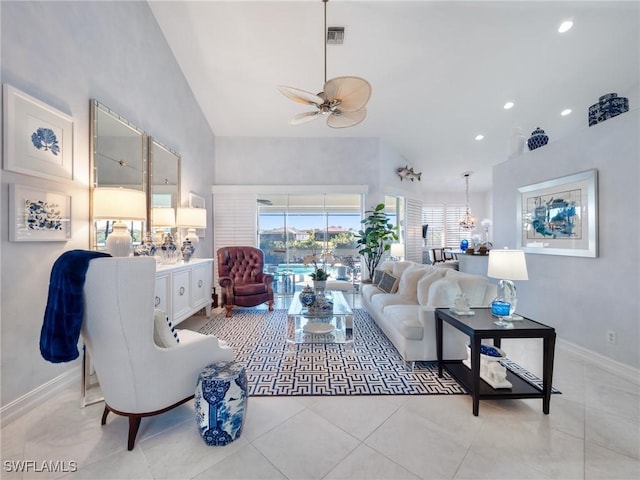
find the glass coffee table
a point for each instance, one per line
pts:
(336, 327)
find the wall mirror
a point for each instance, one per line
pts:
(118, 159)
(164, 183)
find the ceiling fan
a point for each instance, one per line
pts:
(343, 99)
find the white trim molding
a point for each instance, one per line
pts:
(310, 189)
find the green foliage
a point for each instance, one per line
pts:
(376, 237)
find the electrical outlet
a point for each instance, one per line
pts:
(611, 336)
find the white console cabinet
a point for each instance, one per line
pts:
(184, 288)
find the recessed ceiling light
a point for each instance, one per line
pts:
(565, 112)
(565, 26)
(508, 105)
(479, 136)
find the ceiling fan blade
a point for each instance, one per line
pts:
(304, 117)
(353, 92)
(300, 96)
(346, 119)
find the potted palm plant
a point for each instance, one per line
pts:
(376, 237)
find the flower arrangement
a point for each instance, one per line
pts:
(319, 273)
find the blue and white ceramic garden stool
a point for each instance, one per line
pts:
(221, 402)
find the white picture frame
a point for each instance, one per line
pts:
(37, 215)
(38, 139)
(559, 216)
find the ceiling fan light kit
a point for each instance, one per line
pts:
(343, 99)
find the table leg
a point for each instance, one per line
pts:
(475, 373)
(439, 343)
(549, 344)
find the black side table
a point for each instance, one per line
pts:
(480, 326)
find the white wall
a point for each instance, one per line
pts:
(65, 53)
(584, 297)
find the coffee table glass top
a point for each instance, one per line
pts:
(332, 328)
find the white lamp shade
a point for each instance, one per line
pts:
(192, 217)
(111, 203)
(507, 265)
(397, 250)
(163, 217)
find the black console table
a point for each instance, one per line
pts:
(480, 326)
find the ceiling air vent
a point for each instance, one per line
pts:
(335, 35)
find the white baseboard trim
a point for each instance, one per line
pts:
(612, 366)
(35, 397)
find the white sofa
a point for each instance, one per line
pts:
(406, 314)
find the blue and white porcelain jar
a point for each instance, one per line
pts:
(187, 250)
(307, 296)
(538, 139)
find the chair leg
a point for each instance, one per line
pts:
(104, 415)
(271, 305)
(134, 424)
(228, 308)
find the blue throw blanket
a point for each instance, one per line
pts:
(65, 306)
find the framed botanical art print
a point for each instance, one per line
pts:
(37, 215)
(560, 216)
(38, 139)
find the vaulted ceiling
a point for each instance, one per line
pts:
(441, 72)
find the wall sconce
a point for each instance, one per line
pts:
(192, 218)
(111, 203)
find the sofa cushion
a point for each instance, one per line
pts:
(388, 283)
(405, 319)
(399, 267)
(443, 292)
(164, 334)
(473, 286)
(377, 276)
(380, 302)
(368, 290)
(408, 284)
(422, 288)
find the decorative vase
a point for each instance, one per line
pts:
(319, 286)
(322, 306)
(516, 142)
(464, 244)
(187, 250)
(147, 248)
(538, 139)
(307, 296)
(168, 250)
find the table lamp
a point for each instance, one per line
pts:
(507, 265)
(112, 203)
(396, 251)
(192, 218)
(161, 218)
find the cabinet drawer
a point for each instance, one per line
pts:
(163, 294)
(201, 286)
(181, 289)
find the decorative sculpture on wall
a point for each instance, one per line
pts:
(406, 172)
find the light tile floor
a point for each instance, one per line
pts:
(592, 432)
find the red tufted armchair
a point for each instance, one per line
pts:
(241, 278)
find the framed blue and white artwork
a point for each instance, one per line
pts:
(37, 215)
(38, 139)
(559, 216)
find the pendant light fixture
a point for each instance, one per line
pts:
(467, 222)
(343, 99)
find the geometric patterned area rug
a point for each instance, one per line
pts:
(370, 365)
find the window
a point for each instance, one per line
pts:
(290, 226)
(444, 225)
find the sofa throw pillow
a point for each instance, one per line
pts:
(386, 266)
(422, 289)
(389, 283)
(401, 266)
(443, 292)
(377, 276)
(164, 333)
(408, 283)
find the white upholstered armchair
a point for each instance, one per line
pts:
(138, 378)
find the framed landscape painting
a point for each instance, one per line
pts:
(38, 139)
(559, 216)
(38, 216)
